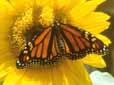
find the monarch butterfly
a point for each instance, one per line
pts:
(57, 41)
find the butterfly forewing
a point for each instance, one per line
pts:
(42, 44)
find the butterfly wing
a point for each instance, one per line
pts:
(79, 43)
(45, 48)
(57, 41)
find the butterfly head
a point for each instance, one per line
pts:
(56, 23)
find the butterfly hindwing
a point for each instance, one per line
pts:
(78, 42)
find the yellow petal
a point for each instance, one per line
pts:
(75, 73)
(39, 76)
(94, 60)
(97, 27)
(95, 17)
(95, 22)
(3, 71)
(83, 9)
(4, 4)
(104, 39)
(67, 4)
(6, 15)
(94, 28)
(13, 77)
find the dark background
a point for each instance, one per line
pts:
(108, 7)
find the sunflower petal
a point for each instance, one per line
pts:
(83, 9)
(94, 60)
(96, 17)
(13, 77)
(97, 27)
(67, 4)
(104, 39)
(5, 7)
(94, 23)
(6, 15)
(3, 71)
(73, 71)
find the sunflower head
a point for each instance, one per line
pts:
(20, 34)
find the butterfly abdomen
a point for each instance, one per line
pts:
(56, 29)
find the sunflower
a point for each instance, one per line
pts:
(18, 19)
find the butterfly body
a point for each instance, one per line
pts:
(57, 41)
